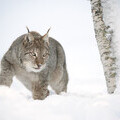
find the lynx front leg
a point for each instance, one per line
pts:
(39, 90)
(6, 73)
(59, 80)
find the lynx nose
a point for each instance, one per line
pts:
(39, 65)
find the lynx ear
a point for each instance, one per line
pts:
(46, 36)
(28, 39)
(29, 36)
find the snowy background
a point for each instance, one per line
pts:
(71, 24)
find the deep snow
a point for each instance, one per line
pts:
(86, 98)
(84, 101)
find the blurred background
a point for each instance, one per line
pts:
(71, 24)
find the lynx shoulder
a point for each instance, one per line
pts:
(37, 61)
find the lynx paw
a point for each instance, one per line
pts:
(40, 95)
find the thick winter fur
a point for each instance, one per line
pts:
(37, 61)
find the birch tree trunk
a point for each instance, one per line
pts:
(104, 35)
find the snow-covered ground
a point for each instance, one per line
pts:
(84, 101)
(71, 24)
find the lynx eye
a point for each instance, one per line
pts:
(33, 54)
(45, 54)
(27, 53)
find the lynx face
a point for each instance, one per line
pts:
(36, 52)
(35, 59)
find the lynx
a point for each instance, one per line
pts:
(37, 61)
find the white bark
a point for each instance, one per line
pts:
(111, 15)
(104, 35)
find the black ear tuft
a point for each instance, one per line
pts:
(48, 30)
(28, 29)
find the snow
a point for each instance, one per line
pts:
(71, 24)
(84, 101)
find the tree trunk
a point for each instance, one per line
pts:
(104, 36)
